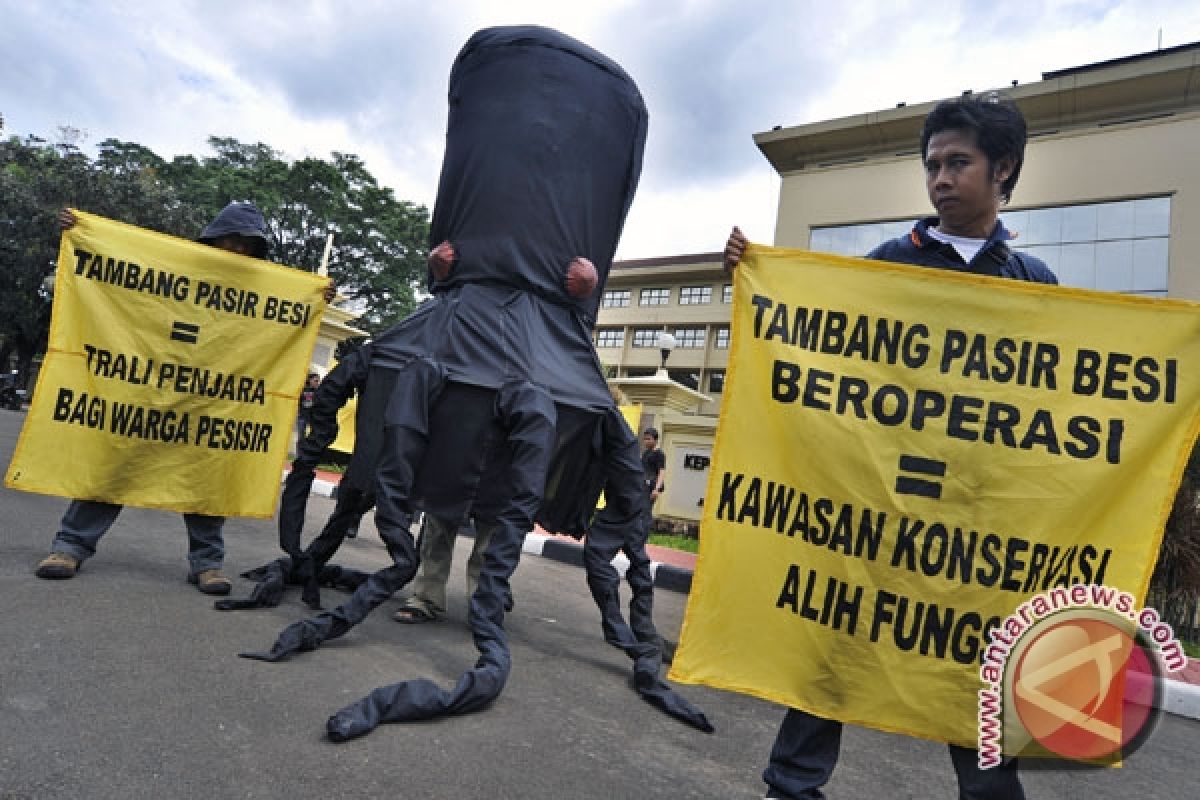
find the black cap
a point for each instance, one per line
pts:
(238, 219)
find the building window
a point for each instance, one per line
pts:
(689, 338)
(856, 240)
(1122, 246)
(695, 295)
(654, 297)
(610, 337)
(640, 372)
(721, 337)
(727, 293)
(646, 337)
(716, 381)
(615, 298)
(687, 377)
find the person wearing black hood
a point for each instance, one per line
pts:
(238, 228)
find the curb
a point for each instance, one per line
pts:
(1181, 699)
(324, 488)
(321, 486)
(666, 576)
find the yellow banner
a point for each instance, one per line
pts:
(632, 412)
(172, 374)
(905, 455)
(344, 443)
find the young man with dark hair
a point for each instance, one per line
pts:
(972, 149)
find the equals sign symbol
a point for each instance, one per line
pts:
(921, 487)
(184, 332)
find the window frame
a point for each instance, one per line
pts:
(652, 295)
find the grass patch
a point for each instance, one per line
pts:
(1191, 648)
(686, 543)
(338, 468)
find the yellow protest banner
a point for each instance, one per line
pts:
(346, 422)
(904, 456)
(344, 443)
(171, 376)
(632, 412)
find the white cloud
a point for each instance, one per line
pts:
(370, 77)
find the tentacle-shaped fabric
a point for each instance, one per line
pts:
(334, 392)
(270, 581)
(621, 526)
(407, 434)
(351, 505)
(647, 662)
(306, 567)
(293, 502)
(527, 415)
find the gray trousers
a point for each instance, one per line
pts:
(437, 556)
(86, 521)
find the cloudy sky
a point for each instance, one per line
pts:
(369, 77)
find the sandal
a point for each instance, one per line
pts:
(413, 615)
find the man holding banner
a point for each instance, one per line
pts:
(973, 149)
(241, 229)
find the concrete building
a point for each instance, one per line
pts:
(686, 296)
(1108, 197)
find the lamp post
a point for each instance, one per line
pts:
(666, 343)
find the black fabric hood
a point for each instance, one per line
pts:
(543, 154)
(240, 219)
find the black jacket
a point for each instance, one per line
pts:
(995, 258)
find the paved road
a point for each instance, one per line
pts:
(124, 683)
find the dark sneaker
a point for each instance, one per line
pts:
(210, 581)
(57, 567)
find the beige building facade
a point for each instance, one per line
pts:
(1108, 196)
(686, 296)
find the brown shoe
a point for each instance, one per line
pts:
(57, 567)
(210, 581)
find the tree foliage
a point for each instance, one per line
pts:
(1175, 589)
(36, 180)
(379, 245)
(379, 242)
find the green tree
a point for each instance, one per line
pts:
(379, 247)
(37, 179)
(34, 181)
(1175, 588)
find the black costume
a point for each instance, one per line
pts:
(309, 567)
(492, 400)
